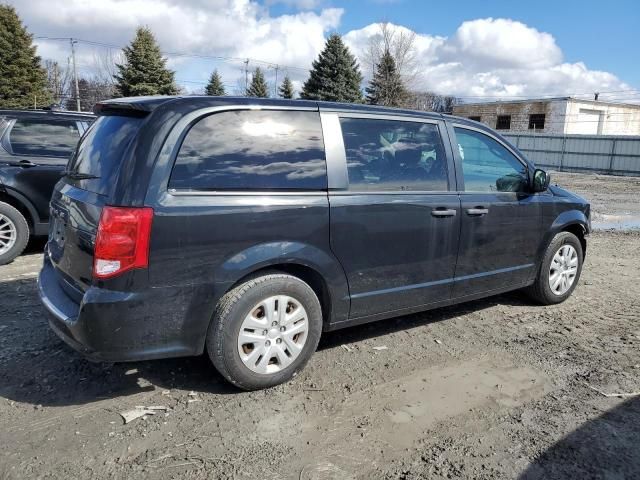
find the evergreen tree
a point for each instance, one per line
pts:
(286, 89)
(144, 70)
(215, 86)
(335, 75)
(386, 87)
(258, 86)
(23, 82)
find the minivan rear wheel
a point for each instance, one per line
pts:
(265, 330)
(14, 233)
(559, 271)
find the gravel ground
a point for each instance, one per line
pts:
(497, 388)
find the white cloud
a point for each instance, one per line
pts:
(495, 58)
(222, 28)
(483, 57)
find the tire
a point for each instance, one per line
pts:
(14, 233)
(542, 290)
(266, 355)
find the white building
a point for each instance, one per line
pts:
(565, 115)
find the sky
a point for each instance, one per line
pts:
(476, 50)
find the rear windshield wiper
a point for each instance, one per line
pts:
(78, 175)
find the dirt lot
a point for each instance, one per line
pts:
(497, 388)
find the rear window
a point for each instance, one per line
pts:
(54, 138)
(252, 150)
(101, 150)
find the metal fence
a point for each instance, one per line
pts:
(616, 155)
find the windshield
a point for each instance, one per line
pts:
(100, 152)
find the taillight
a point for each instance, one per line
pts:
(122, 242)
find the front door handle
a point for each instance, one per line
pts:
(443, 212)
(477, 211)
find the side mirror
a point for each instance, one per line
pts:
(541, 180)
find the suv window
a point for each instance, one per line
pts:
(252, 150)
(47, 138)
(391, 155)
(101, 150)
(488, 166)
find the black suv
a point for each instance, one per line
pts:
(35, 146)
(247, 227)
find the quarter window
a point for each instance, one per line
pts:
(252, 150)
(391, 155)
(488, 166)
(44, 138)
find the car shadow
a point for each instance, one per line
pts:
(35, 245)
(36, 367)
(607, 447)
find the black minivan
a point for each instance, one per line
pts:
(246, 227)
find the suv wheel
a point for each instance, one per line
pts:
(264, 331)
(14, 233)
(560, 270)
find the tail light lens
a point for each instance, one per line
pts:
(122, 242)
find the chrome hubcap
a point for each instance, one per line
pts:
(8, 234)
(273, 334)
(563, 269)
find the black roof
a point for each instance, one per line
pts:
(47, 113)
(148, 104)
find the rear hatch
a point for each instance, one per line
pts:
(79, 197)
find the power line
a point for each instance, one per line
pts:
(180, 54)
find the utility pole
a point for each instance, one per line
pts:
(56, 87)
(246, 76)
(75, 72)
(275, 88)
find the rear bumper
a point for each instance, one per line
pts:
(119, 326)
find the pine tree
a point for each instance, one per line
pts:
(258, 86)
(215, 86)
(23, 82)
(286, 89)
(386, 87)
(335, 75)
(144, 70)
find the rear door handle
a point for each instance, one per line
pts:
(477, 211)
(443, 212)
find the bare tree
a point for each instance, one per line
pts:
(58, 81)
(400, 43)
(431, 102)
(104, 66)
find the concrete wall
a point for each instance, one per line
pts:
(554, 112)
(562, 116)
(591, 118)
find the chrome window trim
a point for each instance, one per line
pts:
(244, 193)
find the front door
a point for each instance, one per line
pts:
(500, 219)
(395, 229)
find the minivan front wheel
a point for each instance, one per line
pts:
(14, 233)
(560, 270)
(265, 330)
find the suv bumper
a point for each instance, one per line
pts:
(116, 326)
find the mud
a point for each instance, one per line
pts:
(496, 388)
(615, 201)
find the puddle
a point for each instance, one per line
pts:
(616, 222)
